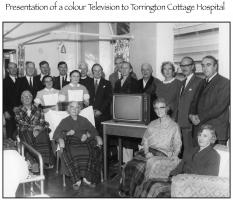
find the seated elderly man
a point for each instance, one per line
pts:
(80, 147)
(33, 129)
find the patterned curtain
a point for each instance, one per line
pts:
(21, 59)
(121, 48)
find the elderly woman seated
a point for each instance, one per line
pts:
(161, 145)
(202, 160)
(33, 129)
(80, 146)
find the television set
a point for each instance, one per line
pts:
(133, 108)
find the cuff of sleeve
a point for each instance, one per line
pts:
(86, 97)
(37, 101)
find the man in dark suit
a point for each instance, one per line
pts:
(190, 85)
(61, 80)
(28, 82)
(45, 70)
(148, 85)
(128, 84)
(85, 79)
(116, 75)
(212, 102)
(100, 97)
(10, 99)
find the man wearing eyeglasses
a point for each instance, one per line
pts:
(190, 85)
(212, 103)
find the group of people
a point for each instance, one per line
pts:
(186, 118)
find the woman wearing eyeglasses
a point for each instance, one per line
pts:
(161, 145)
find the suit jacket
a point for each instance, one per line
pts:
(185, 101)
(89, 84)
(130, 86)
(24, 85)
(212, 105)
(101, 100)
(10, 99)
(114, 77)
(56, 82)
(38, 79)
(150, 89)
(205, 162)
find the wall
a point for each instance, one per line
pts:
(51, 52)
(106, 51)
(152, 43)
(143, 46)
(224, 49)
(89, 49)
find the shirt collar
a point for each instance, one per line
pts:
(166, 82)
(49, 90)
(72, 85)
(119, 74)
(98, 80)
(28, 77)
(188, 78)
(209, 79)
(12, 77)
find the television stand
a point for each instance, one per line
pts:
(120, 129)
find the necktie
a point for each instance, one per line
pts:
(63, 81)
(96, 85)
(183, 87)
(30, 82)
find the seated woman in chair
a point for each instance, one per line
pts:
(80, 146)
(202, 160)
(33, 129)
(161, 145)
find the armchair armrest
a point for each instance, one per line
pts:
(191, 185)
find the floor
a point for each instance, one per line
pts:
(54, 187)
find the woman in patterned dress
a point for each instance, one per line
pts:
(161, 145)
(33, 129)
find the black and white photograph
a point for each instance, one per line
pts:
(116, 109)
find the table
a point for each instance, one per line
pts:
(121, 129)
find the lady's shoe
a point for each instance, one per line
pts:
(76, 186)
(86, 182)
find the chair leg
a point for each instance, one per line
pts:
(57, 165)
(64, 180)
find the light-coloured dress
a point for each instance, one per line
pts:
(40, 97)
(163, 136)
(70, 86)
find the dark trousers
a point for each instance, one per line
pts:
(223, 142)
(187, 140)
(11, 128)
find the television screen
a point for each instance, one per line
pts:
(127, 107)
